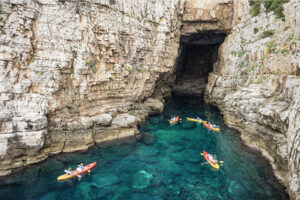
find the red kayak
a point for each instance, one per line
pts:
(213, 164)
(174, 120)
(211, 127)
(76, 173)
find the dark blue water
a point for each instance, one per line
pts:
(166, 166)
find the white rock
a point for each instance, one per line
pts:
(102, 120)
(124, 120)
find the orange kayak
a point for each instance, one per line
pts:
(75, 172)
(210, 127)
(174, 121)
(214, 165)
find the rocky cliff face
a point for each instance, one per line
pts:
(256, 85)
(75, 73)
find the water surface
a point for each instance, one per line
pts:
(168, 166)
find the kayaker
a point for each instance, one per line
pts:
(212, 159)
(80, 167)
(69, 171)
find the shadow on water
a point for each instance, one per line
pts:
(165, 164)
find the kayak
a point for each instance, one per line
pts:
(210, 127)
(214, 165)
(195, 120)
(174, 121)
(76, 173)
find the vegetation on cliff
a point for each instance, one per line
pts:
(276, 6)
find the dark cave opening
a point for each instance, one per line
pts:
(197, 55)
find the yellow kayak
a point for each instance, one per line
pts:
(195, 120)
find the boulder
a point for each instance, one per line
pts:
(87, 122)
(154, 106)
(148, 138)
(105, 180)
(124, 120)
(141, 180)
(102, 120)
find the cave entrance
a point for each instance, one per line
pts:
(197, 55)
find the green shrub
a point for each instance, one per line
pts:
(1, 18)
(242, 52)
(255, 7)
(271, 45)
(275, 6)
(234, 53)
(268, 33)
(253, 68)
(255, 30)
(289, 38)
(242, 64)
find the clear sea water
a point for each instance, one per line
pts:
(169, 167)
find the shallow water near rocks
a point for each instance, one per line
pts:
(168, 167)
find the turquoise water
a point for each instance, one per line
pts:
(165, 165)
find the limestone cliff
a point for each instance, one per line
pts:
(76, 73)
(256, 85)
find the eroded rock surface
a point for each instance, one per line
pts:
(76, 73)
(256, 85)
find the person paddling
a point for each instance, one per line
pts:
(69, 171)
(80, 167)
(212, 159)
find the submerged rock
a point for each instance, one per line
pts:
(141, 180)
(105, 180)
(148, 138)
(188, 125)
(232, 187)
(146, 152)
